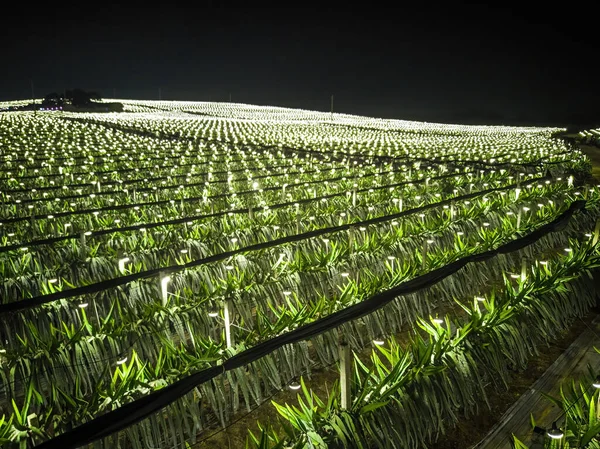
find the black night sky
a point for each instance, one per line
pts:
(460, 63)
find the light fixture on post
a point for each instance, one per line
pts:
(122, 263)
(596, 233)
(279, 261)
(214, 312)
(391, 259)
(298, 216)
(555, 433)
(596, 385)
(426, 243)
(82, 241)
(351, 238)
(228, 314)
(378, 341)
(294, 385)
(164, 290)
(345, 375)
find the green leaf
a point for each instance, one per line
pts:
(592, 431)
(517, 444)
(372, 407)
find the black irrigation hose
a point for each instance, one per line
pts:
(185, 219)
(189, 199)
(129, 161)
(132, 413)
(121, 170)
(37, 301)
(159, 178)
(533, 164)
(437, 161)
(179, 137)
(336, 154)
(220, 161)
(96, 163)
(167, 187)
(303, 150)
(314, 283)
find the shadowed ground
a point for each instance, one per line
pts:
(572, 365)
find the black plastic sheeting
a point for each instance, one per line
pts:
(37, 301)
(154, 203)
(49, 241)
(136, 411)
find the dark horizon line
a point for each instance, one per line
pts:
(469, 116)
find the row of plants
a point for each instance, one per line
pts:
(98, 151)
(86, 378)
(227, 172)
(407, 396)
(258, 197)
(174, 439)
(162, 246)
(578, 424)
(590, 136)
(363, 135)
(262, 262)
(388, 239)
(100, 195)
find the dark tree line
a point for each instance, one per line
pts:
(76, 97)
